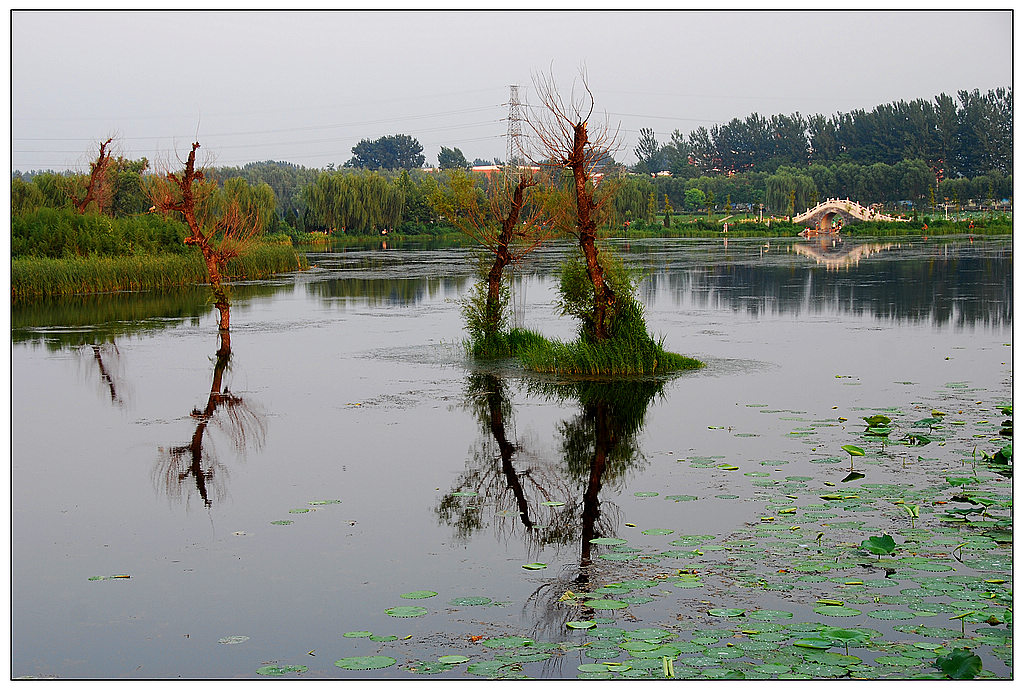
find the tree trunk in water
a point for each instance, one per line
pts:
(502, 257)
(493, 305)
(225, 312)
(586, 226)
(220, 293)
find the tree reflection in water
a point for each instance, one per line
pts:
(197, 460)
(599, 446)
(511, 482)
(106, 357)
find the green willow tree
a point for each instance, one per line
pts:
(360, 202)
(788, 188)
(256, 201)
(508, 221)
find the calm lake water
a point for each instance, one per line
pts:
(348, 409)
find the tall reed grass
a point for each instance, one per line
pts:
(627, 354)
(33, 277)
(631, 351)
(62, 233)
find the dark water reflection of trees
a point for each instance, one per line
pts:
(386, 290)
(87, 320)
(196, 462)
(950, 284)
(507, 484)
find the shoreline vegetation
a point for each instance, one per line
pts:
(57, 252)
(35, 277)
(95, 254)
(699, 228)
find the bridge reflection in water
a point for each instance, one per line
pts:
(834, 254)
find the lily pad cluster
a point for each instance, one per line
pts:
(902, 572)
(304, 509)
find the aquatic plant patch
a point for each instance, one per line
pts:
(831, 557)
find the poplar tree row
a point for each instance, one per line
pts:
(966, 135)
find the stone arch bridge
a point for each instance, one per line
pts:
(822, 219)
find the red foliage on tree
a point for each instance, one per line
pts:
(220, 233)
(566, 141)
(99, 187)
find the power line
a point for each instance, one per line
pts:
(485, 123)
(362, 123)
(361, 102)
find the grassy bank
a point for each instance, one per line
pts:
(35, 277)
(682, 228)
(704, 227)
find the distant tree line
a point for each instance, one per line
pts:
(967, 136)
(642, 197)
(945, 151)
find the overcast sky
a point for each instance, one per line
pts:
(305, 87)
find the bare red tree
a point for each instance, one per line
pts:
(565, 140)
(221, 235)
(99, 186)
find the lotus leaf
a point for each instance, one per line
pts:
(769, 614)
(726, 613)
(842, 611)
(882, 545)
(406, 611)
(365, 663)
(272, 670)
(894, 660)
(602, 652)
(509, 642)
(453, 659)
(470, 601)
(487, 668)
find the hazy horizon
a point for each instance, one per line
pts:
(305, 87)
